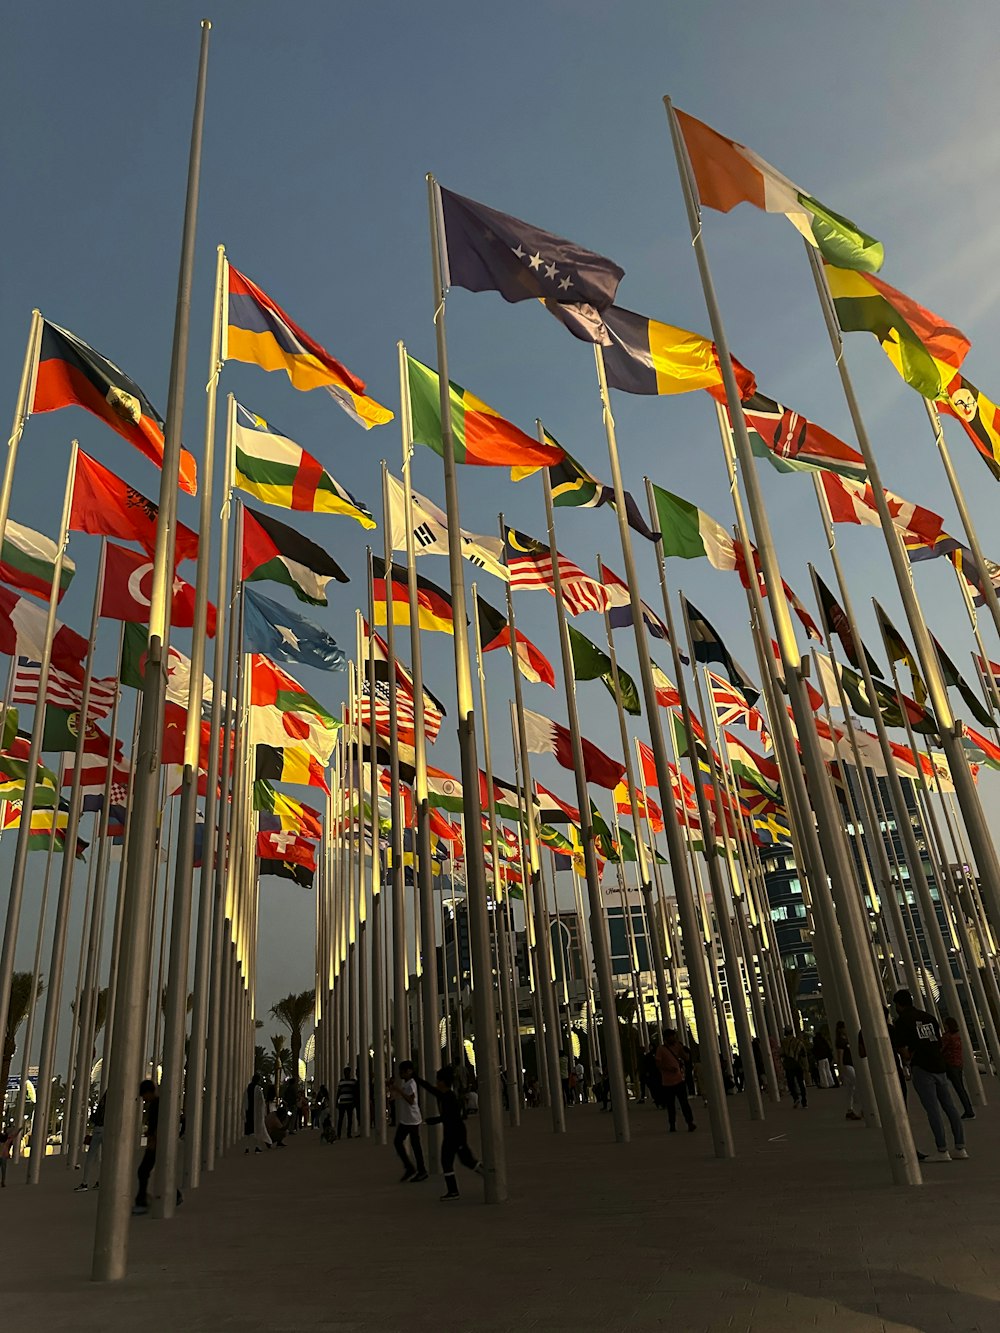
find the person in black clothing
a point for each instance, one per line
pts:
(917, 1037)
(150, 1095)
(649, 1075)
(348, 1099)
(454, 1142)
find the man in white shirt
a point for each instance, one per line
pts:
(408, 1122)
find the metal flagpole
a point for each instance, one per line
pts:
(645, 884)
(424, 874)
(979, 831)
(364, 1007)
(487, 1061)
(111, 1232)
(116, 938)
(22, 410)
(378, 898)
(29, 1027)
(602, 953)
(78, 1082)
(170, 1155)
(900, 1148)
(508, 1006)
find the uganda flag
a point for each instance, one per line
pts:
(979, 416)
(647, 357)
(482, 436)
(289, 763)
(434, 610)
(71, 374)
(275, 469)
(924, 349)
(259, 331)
(273, 551)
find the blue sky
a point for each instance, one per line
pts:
(321, 123)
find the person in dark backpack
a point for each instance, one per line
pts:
(348, 1100)
(917, 1037)
(454, 1140)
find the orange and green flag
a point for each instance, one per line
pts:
(482, 437)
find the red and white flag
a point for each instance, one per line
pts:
(543, 736)
(284, 845)
(127, 587)
(731, 706)
(530, 566)
(854, 502)
(64, 690)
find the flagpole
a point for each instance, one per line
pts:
(116, 937)
(378, 895)
(888, 1097)
(18, 1122)
(487, 1063)
(663, 932)
(645, 884)
(546, 1041)
(357, 845)
(24, 828)
(22, 410)
(979, 832)
(111, 1233)
(507, 1006)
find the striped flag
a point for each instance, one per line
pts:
(731, 705)
(63, 690)
(433, 710)
(530, 566)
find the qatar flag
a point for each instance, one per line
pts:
(544, 736)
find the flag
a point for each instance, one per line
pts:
(604, 840)
(62, 728)
(791, 443)
(444, 791)
(924, 349)
(888, 704)
(543, 736)
(980, 418)
(731, 705)
(302, 817)
(620, 607)
(128, 583)
(489, 251)
(434, 710)
(14, 771)
(590, 663)
(64, 690)
(899, 651)
(647, 357)
(104, 505)
(286, 636)
(552, 810)
(530, 566)
(301, 875)
(133, 667)
(42, 824)
(481, 435)
(836, 618)
(854, 502)
(688, 532)
(28, 562)
(708, 647)
(645, 807)
(288, 847)
(72, 374)
(574, 487)
(289, 763)
(953, 678)
(22, 631)
(282, 712)
(494, 632)
(727, 173)
(260, 332)
(666, 691)
(274, 551)
(93, 779)
(808, 624)
(434, 609)
(430, 531)
(275, 469)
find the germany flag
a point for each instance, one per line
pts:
(70, 373)
(434, 610)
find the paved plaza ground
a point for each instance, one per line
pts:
(801, 1231)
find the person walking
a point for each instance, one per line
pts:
(408, 1122)
(793, 1061)
(348, 1101)
(917, 1037)
(822, 1053)
(454, 1138)
(93, 1159)
(845, 1066)
(951, 1049)
(670, 1067)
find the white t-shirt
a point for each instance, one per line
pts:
(408, 1113)
(578, 1071)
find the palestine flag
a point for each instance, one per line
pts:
(689, 532)
(434, 610)
(301, 875)
(482, 436)
(71, 374)
(275, 469)
(28, 562)
(648, 357)
(924, 349)
(494, 632)
(291, 764)
(274, 551)
(791, 443)
(590, 663)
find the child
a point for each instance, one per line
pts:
(454, 1142)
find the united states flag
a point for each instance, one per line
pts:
(63, 691)
(530, 566)
(433, 710)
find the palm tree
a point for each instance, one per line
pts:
(17, 1012)
(278, 1060)
(295, 1011)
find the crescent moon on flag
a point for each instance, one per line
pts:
(135, 583)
